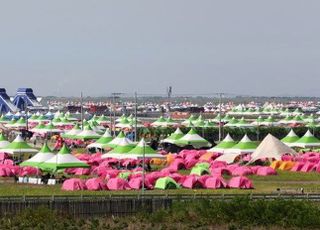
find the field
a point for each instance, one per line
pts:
(287, 182)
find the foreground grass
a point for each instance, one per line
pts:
(285, 181)
(240, 213)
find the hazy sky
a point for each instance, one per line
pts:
(62, 47)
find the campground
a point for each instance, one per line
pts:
(287, 182)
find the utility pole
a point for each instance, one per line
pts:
(114, 97)
(220, 127)
(135, 116)
(169, 94)
(81, 109)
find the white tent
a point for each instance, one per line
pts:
(271, 148)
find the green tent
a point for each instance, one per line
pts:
(166, 183)
(102, 141)
(192, 138)
(3, 141)
(72, 134)
(199, 170)
(244, 146)
(307, 141)
(290, 138)
(119, 139)
(225, 144)
(62, 160)
(43, 155)
(174, 137)
(18, 146)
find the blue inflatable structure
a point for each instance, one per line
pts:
(25, 98)
(5, 103)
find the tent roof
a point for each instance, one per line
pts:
(271, 147)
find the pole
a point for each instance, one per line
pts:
(135, 116)
(114, 115)
(143, 166)
(220, 100)
(81, 109)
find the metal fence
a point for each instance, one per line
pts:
(119, 205)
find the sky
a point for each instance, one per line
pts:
(64, 47)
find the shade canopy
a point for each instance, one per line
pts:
(271, 148)
(62, 160)
(43, 155)
(244, 146)
(174, 136)
(290, 138)
(18, 146)
(307, 141)
(226, 143)
(192, 138)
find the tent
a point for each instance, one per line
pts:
(3, 141)
(119, 139)
(159, 122)
(189, 121)
(307, 141)
(50, 128)
(174, 137)
(228, 158)
(240, 182)
(39, 128)
(88, 134)
(192, 138)
(244, 146)
(271, 148)
(166, 183)
(72, 134)
(290, 138)
(226, 143)
(102, 141)
(73, 184)
(62, 160)
(124, 146)
(18, 146)
(43, 155)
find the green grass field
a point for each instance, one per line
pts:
(287, 182)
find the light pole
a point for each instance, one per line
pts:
(220, 101)
(135, 116)
(81, 109)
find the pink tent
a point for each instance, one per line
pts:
(129, 162)
(136, 183)
(297, 167)
(203, 178)
(190, 163)
(15, 169)
(167, 171)
(308, 167)
(287, 158)
(82, 171)
(266, 171)
(8, 162)
(154, 176)
(241, 171)
(84, 157)
(192, 181)
(73, 184)
(177, 164)
(29, 171)
(220, 171)
(111, 173)
(317, 167)
(70, 170)
(177, 177)
(117, 184)
(232, 167)
(5, 172)
(255, 168)
(4, 156)
(240, 182)
(218, 164)
(95, 184)
(215, 182)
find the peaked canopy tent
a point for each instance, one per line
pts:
(159, 122)
(39, 128)
(192, 138)
(124, 146)
(225, 144)
(271, 148)
(43, 155)
(189, 121)
(142, 150)
(62, 160)
(88, 134)
(19, 124)
(3, 141)
(290, 138)
(174, 137)
(18, 146)
(72, 134)
(307, 141)
(102, 141)
(244, 146)
(119, 139)
(50, 128)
